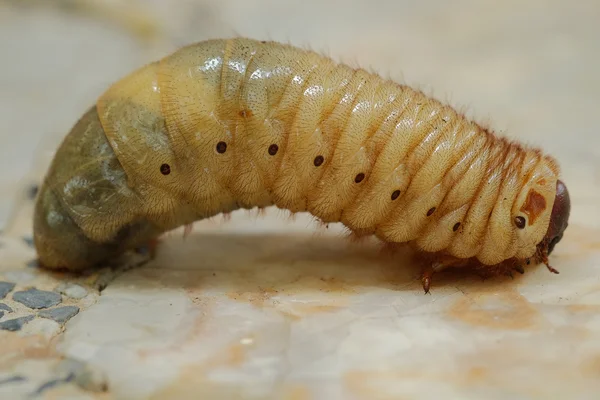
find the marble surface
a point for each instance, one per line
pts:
(276, 307)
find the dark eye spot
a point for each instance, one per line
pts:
(165, 169)
(395, 194)
(273, 149)
(431, 211)
(520, 222)
(359, 178)
(456, 226)
(221, 147)
(318, 161)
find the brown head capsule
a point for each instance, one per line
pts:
(559, 219)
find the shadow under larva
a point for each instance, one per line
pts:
(226, 124)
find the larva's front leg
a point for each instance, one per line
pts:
(435, 265)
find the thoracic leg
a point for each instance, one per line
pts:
(426, 276)
(437, 265)
(545, 261)
(428, 273)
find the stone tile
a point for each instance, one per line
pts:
(5, 288)
(60, 314)
(4, 307)
(15, 324)
(34, 298)
(72, 290)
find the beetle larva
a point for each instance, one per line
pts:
(227, 124)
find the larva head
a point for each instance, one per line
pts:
(541, 209)
(559, 218)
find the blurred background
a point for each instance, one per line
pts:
(529, 68)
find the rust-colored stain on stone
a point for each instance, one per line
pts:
(591, 367)
(192, 383)
(296, 392)
(296, 312)
(477, 373)
(534, 206)
(593, 309)
(365, 384)
(16, 348)
(502, 310)
(259, 297)
(333, 284)
(233, 356)
(370, 384)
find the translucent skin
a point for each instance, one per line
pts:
(463, 192)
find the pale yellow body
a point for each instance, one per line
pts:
(251, 95)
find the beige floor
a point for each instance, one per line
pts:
(266, 308)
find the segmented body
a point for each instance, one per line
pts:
(225, 124)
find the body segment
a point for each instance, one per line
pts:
(228, 124)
